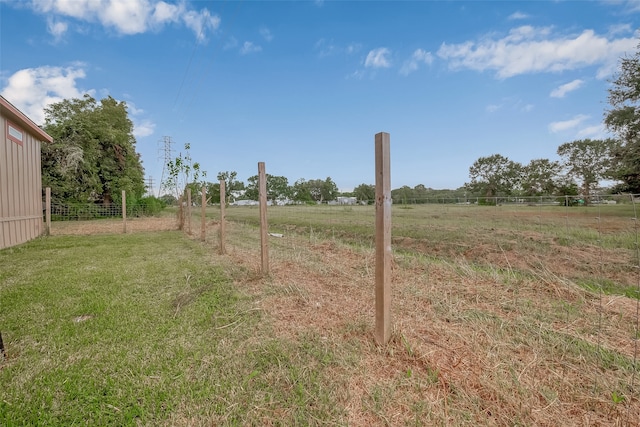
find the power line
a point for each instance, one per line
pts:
(166, 154)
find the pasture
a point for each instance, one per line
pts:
(503, 315)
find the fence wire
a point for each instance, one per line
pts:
(563, 273)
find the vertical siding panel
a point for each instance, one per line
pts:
(38, 181)
(29, 193)
(4, 199)
(12, 159)
(21, 203)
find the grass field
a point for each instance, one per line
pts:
(514, 316)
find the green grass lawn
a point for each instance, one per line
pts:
(145, 329)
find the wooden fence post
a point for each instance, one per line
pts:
(383, 238)
(203, 214)
(124, 211)
(188, 211)
(223, 202)
(48, 210)
(264, 243)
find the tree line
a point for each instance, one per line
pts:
(279, 191)
(584, 163)
(93, 158)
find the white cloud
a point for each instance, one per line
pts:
(231, 43)
(562, 90)
(517, 15)
(249, 47)
(33, 89)
(594, 132)
(143, 128)
(200, 22)
(164, 12)
(130, 16)
(492, 108)
(562, 126)
(56, 28)
(266, 34)
(377, 58)
(620, 29)
(529, 49)
(419, 57)
(328, 48)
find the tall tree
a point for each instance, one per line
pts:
(231, 183)
(277, 188)
(587, 160)
(300, 192)
(540, 177)
(365, 193)
(624, 120)
(315, 190)
(93, 156)
(494, 175)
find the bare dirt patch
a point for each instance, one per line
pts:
(104, 226)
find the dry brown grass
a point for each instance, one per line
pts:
(472, 344)
(107, 226)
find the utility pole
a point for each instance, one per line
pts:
(166, 154)
(150, 185)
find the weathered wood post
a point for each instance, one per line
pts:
(223, 203)
(203, 214)
(264, 243)
(188, 211)
(383, 238)
(124, 211)
(48, 211)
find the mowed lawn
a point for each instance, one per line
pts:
(145, 329)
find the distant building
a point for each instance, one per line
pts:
(20, 176)
(340, 200)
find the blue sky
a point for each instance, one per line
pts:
(305, 85)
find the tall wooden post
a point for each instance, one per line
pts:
(48, 210)
(203, 214)
(383, 238)
(223, 203)
(264, 243)
(124, 212)
(188, 211)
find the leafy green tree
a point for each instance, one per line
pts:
(315, 190)
(365, 193)
(540, 177)
(494, 175)
(277, 188)
(182, 172)
(93, 156)
(231, 184)
(402, 195)
(624, 120)
(587, 160)
(329, 190)
(300, 192)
